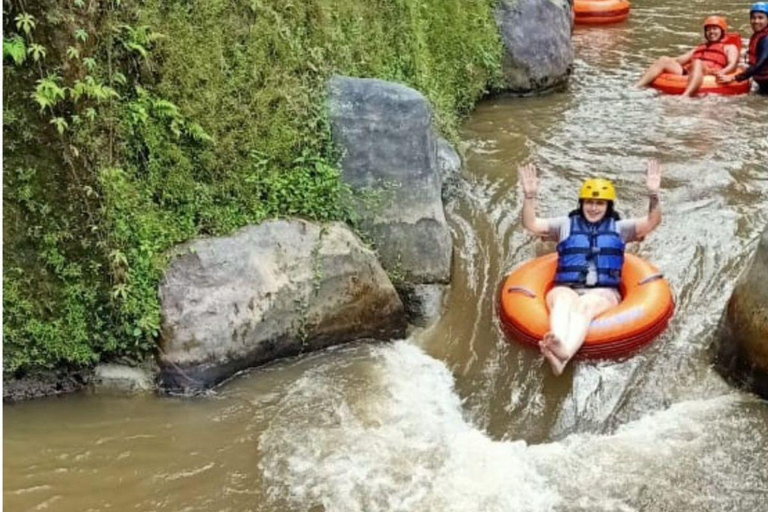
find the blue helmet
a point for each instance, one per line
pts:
(760, 7)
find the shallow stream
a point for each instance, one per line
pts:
(456, 418)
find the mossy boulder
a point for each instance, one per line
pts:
(278, 289)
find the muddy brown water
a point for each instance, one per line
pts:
(456, 418)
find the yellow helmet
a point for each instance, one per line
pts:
(598, 189)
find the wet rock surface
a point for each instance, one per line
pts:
(273, 290)
(118, 378)
(45, 383)
(390, 154)
(742, 352)
(537, 41)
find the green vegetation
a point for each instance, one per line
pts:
(130, 127)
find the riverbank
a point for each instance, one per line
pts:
(163, 124)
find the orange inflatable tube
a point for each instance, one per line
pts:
(676, 84)
(600, 12)
(645, 310)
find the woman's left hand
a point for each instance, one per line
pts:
(653, 176)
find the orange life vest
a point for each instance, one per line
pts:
(712, 53)
(754, 42)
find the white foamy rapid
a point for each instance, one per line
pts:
(399, 440)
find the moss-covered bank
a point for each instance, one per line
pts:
(132, 126)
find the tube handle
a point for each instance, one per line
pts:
(521, 289)
(651, 278)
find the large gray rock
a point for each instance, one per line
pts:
(269, 291)
(743, 348)
(537, 40)
(424, 302)
(390, 155)
(449, 163)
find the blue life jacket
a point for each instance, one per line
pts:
(600, 243)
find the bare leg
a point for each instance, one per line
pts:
(559, 351)
(588, 307)
(696, 78)
(561, 301)
(663, 65)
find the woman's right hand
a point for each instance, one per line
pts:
(722, 78)
(529, 180)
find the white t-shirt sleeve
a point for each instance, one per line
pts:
(628, 230)
(557, 228)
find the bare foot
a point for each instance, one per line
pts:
(555, 345)
(554, 362)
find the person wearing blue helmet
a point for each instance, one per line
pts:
(757, 54)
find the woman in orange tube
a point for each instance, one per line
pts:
(590, 251)
(713, 57)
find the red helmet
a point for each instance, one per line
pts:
(717, 21)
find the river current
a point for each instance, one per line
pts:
(455, 418)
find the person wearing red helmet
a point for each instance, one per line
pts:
(713, 57)
(757, 55)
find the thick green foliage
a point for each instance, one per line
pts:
(130, 128)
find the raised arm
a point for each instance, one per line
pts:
(653, 182)
(530, 183)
